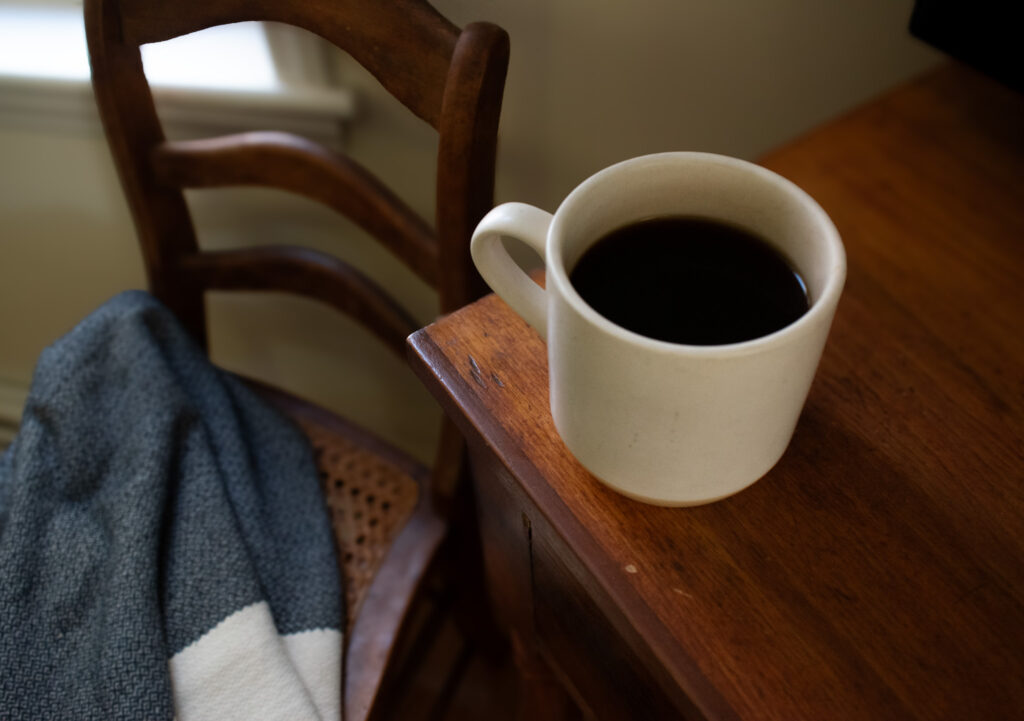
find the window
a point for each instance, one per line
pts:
(222, 79)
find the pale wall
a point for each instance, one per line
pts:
(591, 82)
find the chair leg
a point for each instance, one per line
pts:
(463, 565)
(472, 602)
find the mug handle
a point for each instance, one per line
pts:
(506, 278)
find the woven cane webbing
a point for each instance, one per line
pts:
(369, 500)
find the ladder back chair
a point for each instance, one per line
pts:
(389, 511)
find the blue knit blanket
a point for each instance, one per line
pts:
(165, 551)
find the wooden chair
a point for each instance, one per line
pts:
(390, 511)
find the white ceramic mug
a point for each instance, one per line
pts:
(661, 422)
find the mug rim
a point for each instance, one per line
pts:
(819, 310)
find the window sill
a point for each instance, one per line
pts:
(67, 105)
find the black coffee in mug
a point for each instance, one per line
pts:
(690, 280)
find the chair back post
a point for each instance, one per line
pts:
(466, 155)
(133, 129)
(467, 150)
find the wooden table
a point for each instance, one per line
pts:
(878, 571)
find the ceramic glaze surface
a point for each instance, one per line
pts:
(667, 423)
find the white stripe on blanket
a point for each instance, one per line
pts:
(242, 669)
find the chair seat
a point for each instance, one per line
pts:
(370, 500)
(371, 488)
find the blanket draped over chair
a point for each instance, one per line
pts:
(165, 551)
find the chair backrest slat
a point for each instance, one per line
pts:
(406, 44)
(306, 272)
(289, 162)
